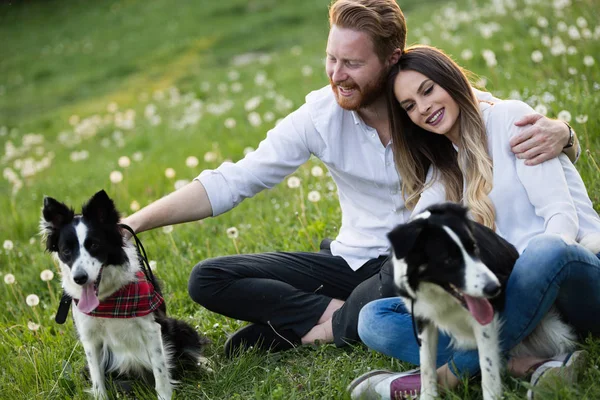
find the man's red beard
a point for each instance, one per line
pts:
(363, 97)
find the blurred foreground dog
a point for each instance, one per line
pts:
(451, 273)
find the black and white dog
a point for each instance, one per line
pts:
(118, 310)
(451, 273)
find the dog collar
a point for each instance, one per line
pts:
(136, 299)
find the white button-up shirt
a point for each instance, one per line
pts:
(362, 168)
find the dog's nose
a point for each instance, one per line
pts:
(80, 278)
(491, 289)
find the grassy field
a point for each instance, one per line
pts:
(137, 97)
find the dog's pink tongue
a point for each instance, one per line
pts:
(480, 309)
(88, 301)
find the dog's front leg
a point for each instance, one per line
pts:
(93, 355)
(428, 356)
(489, 359)
(158, 359)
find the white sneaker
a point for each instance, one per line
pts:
(548, 376)
(386, 385)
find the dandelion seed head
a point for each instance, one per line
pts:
(314, 196)
(316, 171)
(32, 326)
(564, 115)
(116, 176)
(134, 206)
(152, 264)
(191, 161)
(210, 156)
(537, 56)
(9, 279)
(32, 300)
(8, 245)
(46, 275)
(581, 119)
(588, 61)
(167, 229)
(170, 173)
(232, 232)
(124, 162)
(293, 182)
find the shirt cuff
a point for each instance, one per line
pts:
(214, 182)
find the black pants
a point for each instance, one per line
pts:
(291, 290)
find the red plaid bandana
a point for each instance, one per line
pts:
(134, 300)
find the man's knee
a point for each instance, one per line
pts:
(203, 278)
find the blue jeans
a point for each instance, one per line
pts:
(549, 272)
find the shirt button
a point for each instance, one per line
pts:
(373, 135)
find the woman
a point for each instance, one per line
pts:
(449, 146)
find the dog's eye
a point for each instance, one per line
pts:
(66, 252)
(94, 246)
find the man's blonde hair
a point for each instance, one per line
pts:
(382, 20)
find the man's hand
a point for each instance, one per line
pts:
(543, 140)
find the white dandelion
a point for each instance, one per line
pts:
(134, 206)
(191, 161)
(124, 162)
(541, 109)
(170, 173)
(210, 156)
(564, 115)
(33, 326)
(152, 264)
(588, 61)
(116, 176)
(9, 279)
(167, 229)
(137, 156)
(466, 54)
(248, 150)
(230, 123)
(314, 196)
(46, 275)
(537, 56)
(316, 171)
(32, 300)
(232, 232)
(8, 245)
(581, 119)
(293, 182)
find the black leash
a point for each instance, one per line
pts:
(65, 301)
(143, 258)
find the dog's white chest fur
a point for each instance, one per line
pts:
(435, 304)
(125, 339)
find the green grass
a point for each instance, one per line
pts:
(70, 70)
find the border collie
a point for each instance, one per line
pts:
(118, 310)
(451, 273)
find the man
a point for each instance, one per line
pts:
(300, 298)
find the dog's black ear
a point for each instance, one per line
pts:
(449, 207)
(404, 237)
(56, 214)
(100, 208)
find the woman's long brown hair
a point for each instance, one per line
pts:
(416, 149)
